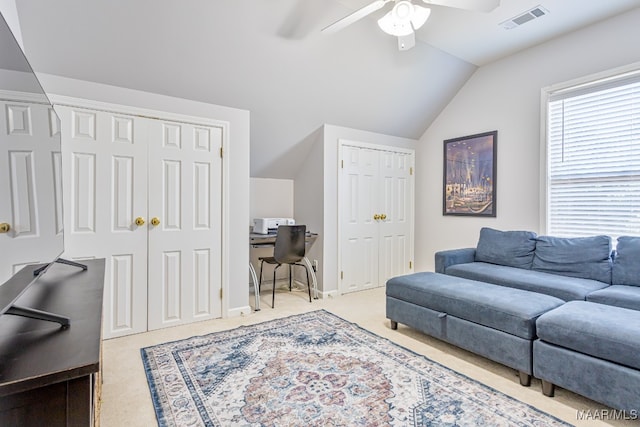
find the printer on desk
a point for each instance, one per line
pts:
(270, 225)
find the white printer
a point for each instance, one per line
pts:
(270, 225)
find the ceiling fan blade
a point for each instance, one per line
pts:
(475, 5)
(355, 16)
(301, 18)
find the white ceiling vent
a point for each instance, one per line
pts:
(525, 17)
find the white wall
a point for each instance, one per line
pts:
(309, 196)
(10, 13)
(505, 96)
(19, 81)
(270, 198)
(236, 157)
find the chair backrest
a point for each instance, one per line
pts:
(290, 245)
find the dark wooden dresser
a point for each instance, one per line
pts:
(50, 375)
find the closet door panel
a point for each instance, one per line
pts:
(171, 276)
(203, 291)
(386, 261)
(121, 310)
(395, 228)
(105, 179)
(358, 198)
(185, 195)
(171, 193)
(28, 162)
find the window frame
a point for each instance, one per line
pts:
(583, 83)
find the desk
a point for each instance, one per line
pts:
(269, 240)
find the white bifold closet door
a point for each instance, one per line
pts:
(375, 206)
(185, 182)
(30, 182)
(146, 195)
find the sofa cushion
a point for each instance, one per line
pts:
(618, 295)
(563, 287)
(603, 331)
(511, 248)
(626, 264)
(508, 310)
(583, 257)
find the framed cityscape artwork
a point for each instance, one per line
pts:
(470, 175)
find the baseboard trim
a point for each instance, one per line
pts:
(328, 294)
(239, 311)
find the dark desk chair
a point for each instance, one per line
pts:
(289, 249)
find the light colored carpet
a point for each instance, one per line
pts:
(127, 401)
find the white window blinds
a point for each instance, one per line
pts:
(593, 159)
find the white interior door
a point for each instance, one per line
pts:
(396, 206)
(185, 172)
(359, 231)
(105, 181)
(376, 216)
(30, 166)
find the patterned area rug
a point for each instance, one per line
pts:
(317, 369)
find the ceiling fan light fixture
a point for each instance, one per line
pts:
(404, 18)
(420, 16)
(406, 42)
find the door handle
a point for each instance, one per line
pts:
(4, 227)
(139, 221)
(383, 217)
(155, 221)
(376, 217)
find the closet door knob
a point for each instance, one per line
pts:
(376, 217)
(155, 221)
(383, 217)
(139, 221)
(4, 227)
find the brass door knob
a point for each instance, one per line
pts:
(383, 217)
(376, 217)
(139, 221)
(4, 227)
(155, 221)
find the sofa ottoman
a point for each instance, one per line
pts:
(493, 321)
(591, 349)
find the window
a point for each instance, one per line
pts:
(593, 158)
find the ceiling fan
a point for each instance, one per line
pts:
(405, 17)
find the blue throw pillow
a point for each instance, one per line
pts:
(626, 264)
(510, 248)
(584, 257)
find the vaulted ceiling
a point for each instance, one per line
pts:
(269, 57)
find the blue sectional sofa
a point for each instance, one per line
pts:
(625, 276)
(583, 268)
(568, 269)
(585, 336)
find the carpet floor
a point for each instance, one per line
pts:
(317, 369)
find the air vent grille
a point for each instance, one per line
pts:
(525, 17)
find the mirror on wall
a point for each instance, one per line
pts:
(31, 219)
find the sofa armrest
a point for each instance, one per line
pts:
(450, 257)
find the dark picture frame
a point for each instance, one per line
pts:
(469, 179)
